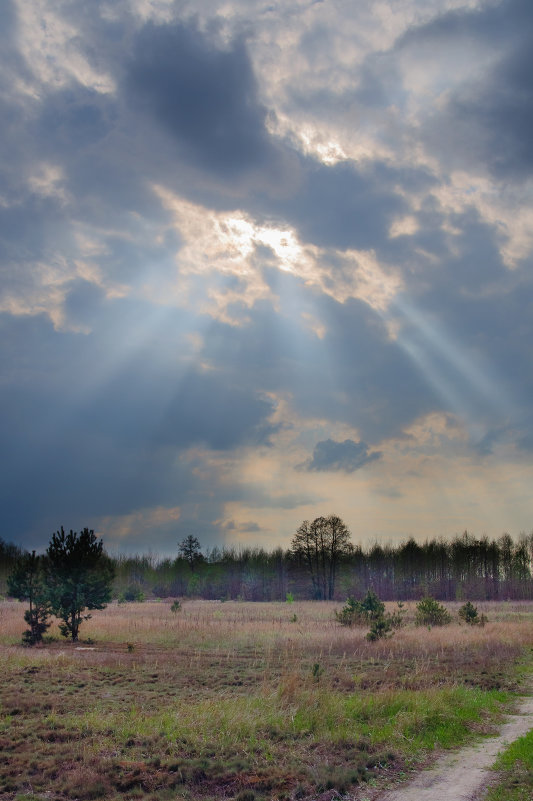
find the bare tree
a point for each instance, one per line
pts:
(320, 545)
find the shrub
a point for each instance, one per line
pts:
(396, 618)
(355, 613)
(350, 613)
(430, 613)
(380, 628)
(370, 610)
(176, 606)
(132, 593)
(469, 614)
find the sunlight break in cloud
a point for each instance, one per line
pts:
(220, 242)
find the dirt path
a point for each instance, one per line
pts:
(461, 776)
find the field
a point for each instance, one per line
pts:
(247, 701)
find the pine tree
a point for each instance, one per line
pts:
(79, 576)
(26, 583)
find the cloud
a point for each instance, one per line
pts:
(347, 456)
(205, 97)
(247, 527)
(208, 409)
(496, 117)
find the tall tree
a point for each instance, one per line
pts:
(190, 550)
(79, 576)
(320, 545)
(26, 583)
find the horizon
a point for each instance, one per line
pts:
(157, 557)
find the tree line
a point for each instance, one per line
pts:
(323, 563)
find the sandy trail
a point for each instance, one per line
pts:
(461, 776)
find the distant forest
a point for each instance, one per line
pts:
(465, 568)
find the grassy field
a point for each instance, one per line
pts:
(247, 701)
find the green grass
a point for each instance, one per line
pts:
(515, 767)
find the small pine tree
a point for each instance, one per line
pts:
(430, 613)
(79, 576)
(26, 583)
(380, 628)
(350, 613)
(469, 614)
(372, 607)
(361, 612)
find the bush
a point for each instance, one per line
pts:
(350, 613)
(430, 613)
(396, 618)
(382, 627)
(176, 606)
(370, 610)
(468, 613)
(355, 613)
(132, 593)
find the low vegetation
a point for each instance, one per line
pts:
(245, 701)
(469, 614)
(515, 767)
(371, 610)
(430, 612)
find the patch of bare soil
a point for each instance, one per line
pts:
(463, 775)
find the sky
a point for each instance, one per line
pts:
(265, 261)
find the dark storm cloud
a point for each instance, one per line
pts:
(206, 98)
(347, 456)
(209, 410)
(342, 207)
(495, 116)
(95, 433)
(453, 266)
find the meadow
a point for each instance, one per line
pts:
(246, 701)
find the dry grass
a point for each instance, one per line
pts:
(224, 698)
